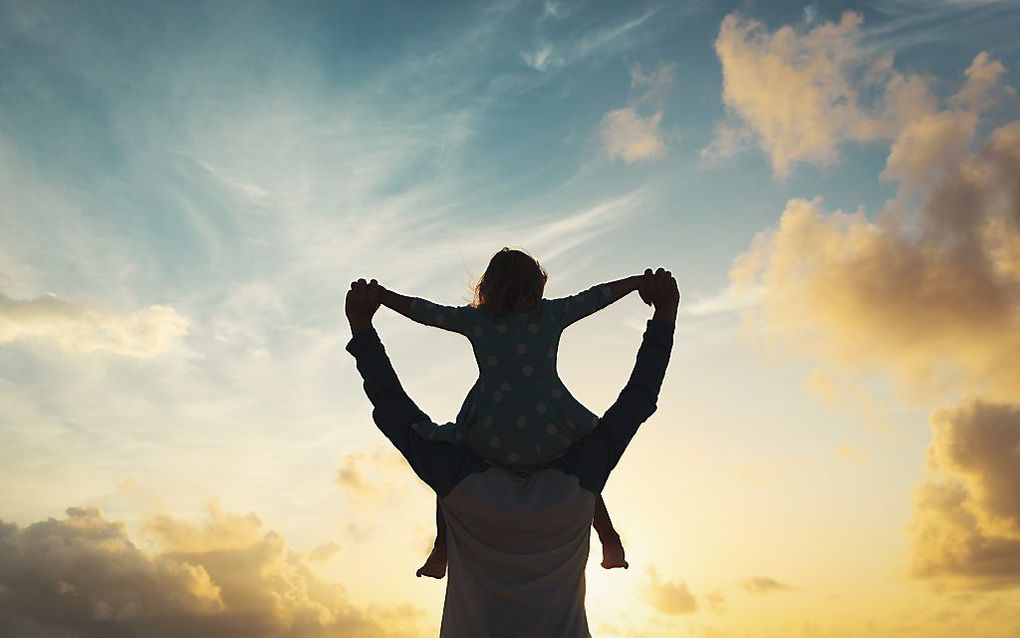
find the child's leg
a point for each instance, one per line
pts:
(612, 549)
(435, 564)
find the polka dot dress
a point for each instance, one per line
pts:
(518, 412)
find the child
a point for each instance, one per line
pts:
(518, 413)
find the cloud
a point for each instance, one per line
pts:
(378, 478)
(967, 511)
(984, 77)
(539, 59)
(728, 139)
(728, 300)
(666, 596)
(83, 575)
(652, 86)
(604, 41)
(799, 94)
(322, 553)
(76, 326)
(764, 585)
(928, 294)
(628, 135)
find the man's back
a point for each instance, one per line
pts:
(517, 554)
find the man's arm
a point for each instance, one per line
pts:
(594, 457)
(440, 465)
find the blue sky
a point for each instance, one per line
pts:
(186, 191)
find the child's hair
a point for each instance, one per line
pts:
(513, 283)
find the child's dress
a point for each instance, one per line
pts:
(518, 412)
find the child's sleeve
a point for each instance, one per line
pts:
(459, 319)
(575, 307)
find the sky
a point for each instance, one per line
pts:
(187, 189)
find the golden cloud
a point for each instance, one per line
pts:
(764, 585)
(76, 326)
(377, 474)
(800, 94)
(931, 295)
(628, 136)
(668, 596)
(83, 576)
(967, 515)
(927, 291)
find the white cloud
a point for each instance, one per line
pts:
(52, 319)
(730, 299)
(800, 94)
(628, 136)
(728, 140)
(554, 55)
(540, 58)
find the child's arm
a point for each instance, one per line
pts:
(579, 306)
(455, 319)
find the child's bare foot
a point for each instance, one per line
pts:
(435, 564)
(612, 552)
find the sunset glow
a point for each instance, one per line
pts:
(188, 189)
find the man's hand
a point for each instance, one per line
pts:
(362, 302)
(660, 289)
(643, 286)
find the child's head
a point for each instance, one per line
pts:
(512, 284)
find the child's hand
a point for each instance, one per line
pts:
(644, 288)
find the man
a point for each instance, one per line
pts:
(517, 543)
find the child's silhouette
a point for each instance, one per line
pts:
(518, 414)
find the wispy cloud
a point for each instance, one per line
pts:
(555, 53)
(729, 299)
(764, 585)
(52, 319)
(668, 596)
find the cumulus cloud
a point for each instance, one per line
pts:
(378, 472)
(790, 88)
(764, 585)
(926, 291)
(628, 135)
(72, 325)
(82, 575)
(967, 516)
(800, 93)
(931, 295)
(668, 596)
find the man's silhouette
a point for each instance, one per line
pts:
(517, 542)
